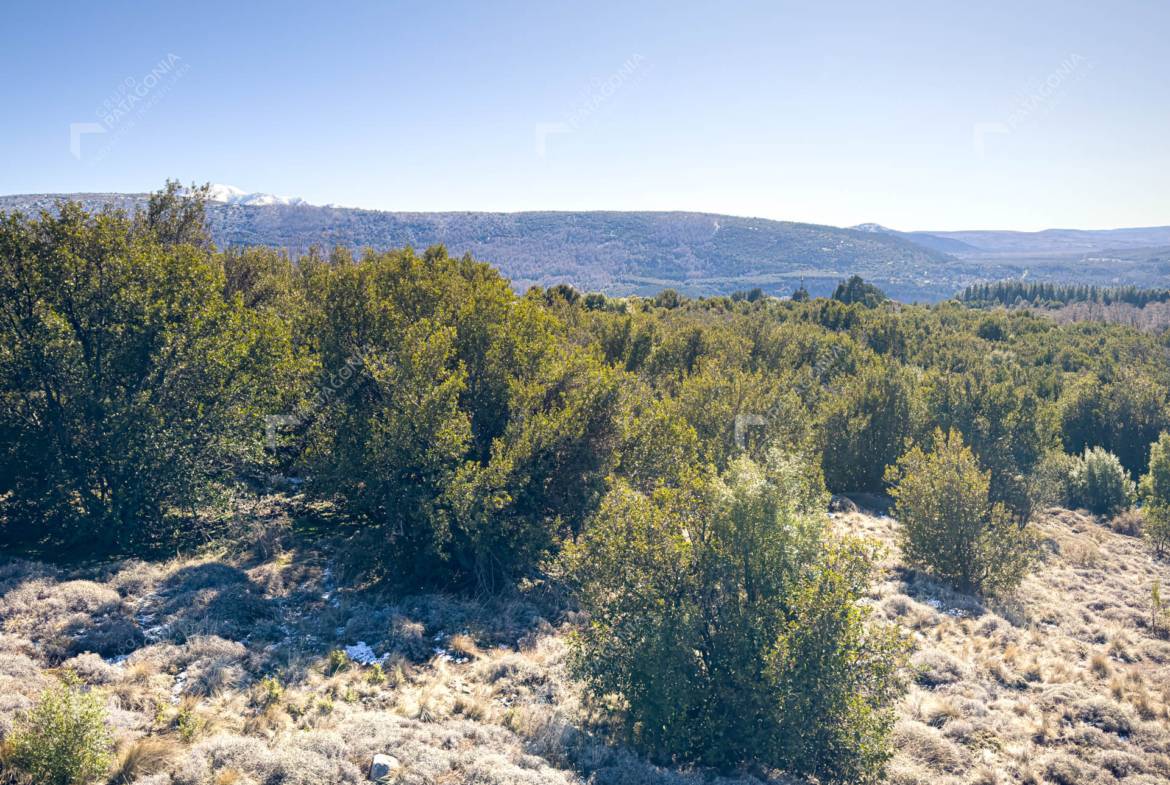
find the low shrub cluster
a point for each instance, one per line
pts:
(1099, 483)
(951, 526)
(64, 739)
(728, 622)
(1155, 493)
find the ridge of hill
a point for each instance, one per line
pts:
(699, 254)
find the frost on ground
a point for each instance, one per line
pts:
(262, 671)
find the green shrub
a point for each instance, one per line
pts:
(1123, 414)
(949, 525)
(1000, 419)
(64, 739)
(855, 290)
(1052, 479)
(1100, 484)
(462, 432)
(727, 623)
(1155, 487)
(337, 661)
(269, 691)
(129, 384)
(866, 426)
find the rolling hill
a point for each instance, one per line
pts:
(696, 253)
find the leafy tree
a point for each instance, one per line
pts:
(1052, 479)
(262, 278)
(992, 329)
(546, 474)
(64, 740)
(1123, 415)
(1002, 421)
(727, 623)
(1100, 484)
(389, 439)
(177, 216)
(865, 426)
(595, 301)
(562, 291)
(658, 445)
(668, 298)
(1155, 489)
(467, 437)
(855, 290)
(133, 390)
(950, 527)
(732, 410)
(751, 295)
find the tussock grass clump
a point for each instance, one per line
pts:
(71, 617)
(142, 758)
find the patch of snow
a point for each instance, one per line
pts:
(362, 654)
(229, 194)
(446, 656)
(178, 687)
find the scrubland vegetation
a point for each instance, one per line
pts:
(559, 537)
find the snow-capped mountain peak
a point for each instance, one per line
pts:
(229, 194)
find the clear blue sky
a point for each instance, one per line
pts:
(939, 115)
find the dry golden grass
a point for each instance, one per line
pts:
(142, 757)
(227, 681)
(1065, 683)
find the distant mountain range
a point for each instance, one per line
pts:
(696, 253)
(1049, 241)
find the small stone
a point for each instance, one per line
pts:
(383, 766)
(842, 504)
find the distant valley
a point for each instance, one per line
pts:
(696, 253)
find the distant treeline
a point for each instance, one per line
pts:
(1043, 294)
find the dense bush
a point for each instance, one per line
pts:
(866, 425)
(855, 290)
(950, 526)
(1123, 415)
(131, 387)
(462, 432)
(460, 428)
(727, 622)
(1100, 484)
(1155, 491)
(1051, 480)
(1000, 419)
(64, 739)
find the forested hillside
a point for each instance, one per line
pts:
(588, 535)
(614, 252)
(699, 254)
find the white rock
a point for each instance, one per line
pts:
(383, 766)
